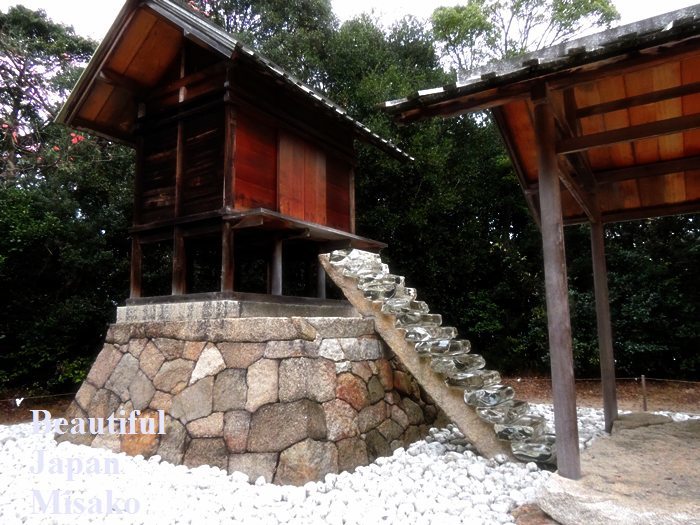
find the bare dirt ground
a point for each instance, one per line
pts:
(675, 396)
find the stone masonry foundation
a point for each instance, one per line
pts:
(287, 398)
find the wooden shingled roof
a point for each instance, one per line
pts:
(627, 109)
(143, 44)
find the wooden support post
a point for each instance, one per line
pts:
(602, 310)
(136, 262)
(320, 277)
(179, 263)
(227, 257)
(558, 320)
(276, 272)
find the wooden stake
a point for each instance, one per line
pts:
(136, 261)
(320, 280)
(602, 310)
(558, 319)
(179, 285)
(644, 393)
(276, 273)
(227, 258)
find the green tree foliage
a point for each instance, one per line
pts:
(64, 208)
(455, 220)
(293, 33)
(38, 62)
(470, 35)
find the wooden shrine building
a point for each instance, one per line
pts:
(235, 158)
(601, 129)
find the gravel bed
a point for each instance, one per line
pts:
(436, 481)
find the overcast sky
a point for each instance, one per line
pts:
(93, 17)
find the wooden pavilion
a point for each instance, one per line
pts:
(228, 146)
(601, 129)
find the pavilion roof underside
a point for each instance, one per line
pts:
(627, 118)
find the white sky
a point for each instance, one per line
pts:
(93, 17)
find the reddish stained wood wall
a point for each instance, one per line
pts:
(301, 179)
(338, 190)
(255, 164)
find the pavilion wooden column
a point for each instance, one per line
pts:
(136, 263)
(602, 310)
(320, 277)
(227, 257)
(179, 285)
(558, 318)
(276, 270)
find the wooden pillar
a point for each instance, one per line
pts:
(558, 319)
(179, 263)
(320, 277)
(602, 310)
(276, 271)
(136, 262)
(227, 257)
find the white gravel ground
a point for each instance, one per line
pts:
(436, 481)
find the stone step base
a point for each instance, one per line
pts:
(192, 310)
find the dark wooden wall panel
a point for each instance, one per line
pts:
(255, 164)
(203, 162)
(338, 194)
(157, 196)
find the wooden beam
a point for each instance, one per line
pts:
(138, 181)
(653, 169)
(188, 80)
(638, 100)
(227, 257)
(229, 155)
(480, 101)
(629, 134)
(121, 81)
(625, 63)
(602, 310)
(653, 211)
(500, 119)
(179, 167)
(558, 318)
(276, 270)
(136, 268)
(179, 284)
(351, 198)
(584, 198)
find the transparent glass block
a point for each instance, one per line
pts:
(400, 304)
(416, 334)
(380, 286)
(525, 427)
(450, 365)
(474, 380)
(453, 348)
(418, 319)
(489, 397)
(338, 257)
(358, 262)
(425, 348)
(505, 413)
(541, 449)
(467, 362)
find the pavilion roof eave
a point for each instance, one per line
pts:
(497, 83)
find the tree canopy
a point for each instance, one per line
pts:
(455, 219)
